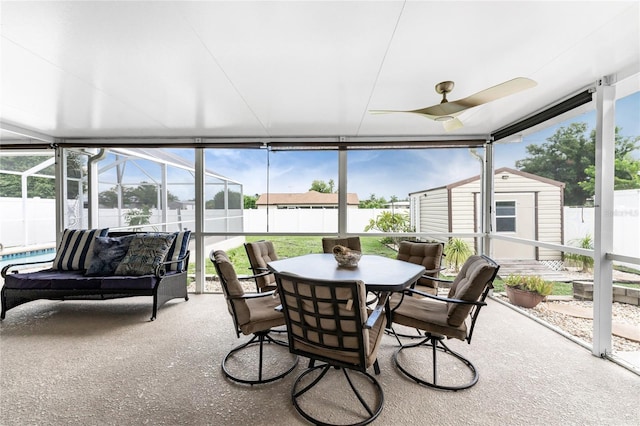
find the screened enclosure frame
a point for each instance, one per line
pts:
(605, 97)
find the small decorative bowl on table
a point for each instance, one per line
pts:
(346, 257)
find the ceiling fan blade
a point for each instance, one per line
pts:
(496, 92)
(491, 94)
(449, 125)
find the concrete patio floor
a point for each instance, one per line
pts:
(104, 363)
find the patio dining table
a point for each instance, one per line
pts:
(379, 274)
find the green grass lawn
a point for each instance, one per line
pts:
(559, 288)
(292, 247)
(297, 246)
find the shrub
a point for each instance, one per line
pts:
(137, 217)
(533, 283)
(456, 252)
(585, 242)
(390, 222)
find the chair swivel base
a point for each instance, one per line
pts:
(259, 338)
(372, 410)
(436, 344)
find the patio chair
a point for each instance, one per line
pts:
(426, 254)
(259, 253)
(252, 313)
(453, 316)
(351, 242)
(327, 322)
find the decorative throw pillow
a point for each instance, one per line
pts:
(178, 249)
(76, 249)
(145, 253)
(107, 254)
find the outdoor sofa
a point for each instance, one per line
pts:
(96, 264)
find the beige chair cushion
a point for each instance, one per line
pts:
(259, 253)
(232, 288)
(428, 255)
(468, 285)
(262, 315)
(351, 242)
(252, 314)
(446, 318)
(428, 315)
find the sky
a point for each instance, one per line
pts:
(387, 173)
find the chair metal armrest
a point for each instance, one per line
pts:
(432, 271)
(444, 299)
(253, 295)
(377, 311)
(441, 280)
(251, 277)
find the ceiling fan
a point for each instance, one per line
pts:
(446, 111)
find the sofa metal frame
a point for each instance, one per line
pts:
(169, 286)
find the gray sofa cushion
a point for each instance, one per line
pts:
(108, 252)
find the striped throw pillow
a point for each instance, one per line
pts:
(178, 249)
(76, 249)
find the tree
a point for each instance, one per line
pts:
(250, 201)
(373, 202)
(322, 186)
(11, 185)
(218, 201)
(40, 186)
(144, 195)
(627, 175)
(566, 157)
(108, 199)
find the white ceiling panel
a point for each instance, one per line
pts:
(288, 68)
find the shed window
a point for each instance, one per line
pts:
(505, 216)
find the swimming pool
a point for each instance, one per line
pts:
(27, 256)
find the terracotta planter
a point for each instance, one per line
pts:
(523, 298)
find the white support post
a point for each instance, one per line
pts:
(227, 225)
(93, 188)
(488, 208)
(342, 192)
(163, 202)
(603, 223)
(61, 192)
(199, 255)
(92, 193)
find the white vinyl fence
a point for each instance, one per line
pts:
(33, 222)
(579, 222)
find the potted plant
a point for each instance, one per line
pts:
(527, 291)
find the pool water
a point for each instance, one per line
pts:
(28, 256)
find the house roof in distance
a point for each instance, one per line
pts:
(304, 198)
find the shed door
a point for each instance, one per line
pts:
(515, 216)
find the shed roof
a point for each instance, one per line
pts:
(501, 170)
